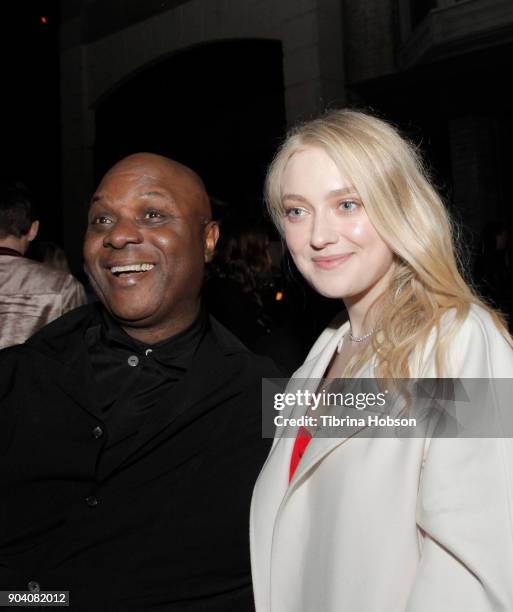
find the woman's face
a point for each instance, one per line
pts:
(327, 230)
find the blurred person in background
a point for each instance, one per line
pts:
(248, 294)
(50, 254)
(31, 293)
(239, 290)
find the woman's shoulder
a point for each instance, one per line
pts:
(477, 348)
(478, 328)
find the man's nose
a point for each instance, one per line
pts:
(123, 232)
(323, 232)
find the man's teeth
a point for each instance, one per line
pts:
(144, 267)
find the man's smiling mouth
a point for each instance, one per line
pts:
(131, 268)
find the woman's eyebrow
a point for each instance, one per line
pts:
(293, 196)
(342, 191)
(331, 194)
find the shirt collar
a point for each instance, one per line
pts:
(176, 351)
(11, 252)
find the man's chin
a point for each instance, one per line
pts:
(130, 317)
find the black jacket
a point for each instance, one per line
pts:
(167, 529)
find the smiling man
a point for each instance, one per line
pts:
(148, 236)
(131, 429)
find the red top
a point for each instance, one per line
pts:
(302, 441)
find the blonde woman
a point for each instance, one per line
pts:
(362, 524)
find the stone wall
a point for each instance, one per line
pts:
(309, 30)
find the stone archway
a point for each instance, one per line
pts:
(94, 60)
(218, 107)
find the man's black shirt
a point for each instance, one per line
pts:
(162, 525)
(130, 376)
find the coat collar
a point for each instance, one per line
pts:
(306, 377)
(272, 489)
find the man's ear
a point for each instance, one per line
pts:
(210, 239)
(32, 233)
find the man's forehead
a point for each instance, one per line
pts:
(139, 175)
(143, 176)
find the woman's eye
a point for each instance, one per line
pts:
(294, 213)
(348, 205)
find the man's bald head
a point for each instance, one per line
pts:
(149, 236)
(158, 167)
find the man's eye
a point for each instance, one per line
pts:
(100, 220)
(153, 214)
(348, 205)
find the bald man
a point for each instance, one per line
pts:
(130, 434)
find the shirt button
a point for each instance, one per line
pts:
(97, 432)
(33, 586)
(133, 360)
(91, 501)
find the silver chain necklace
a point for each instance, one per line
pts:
(360, 338)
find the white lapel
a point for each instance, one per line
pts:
(277, 465)
(307, 376)
(311, 371)
(272, 487)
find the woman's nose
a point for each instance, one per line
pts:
(323, 232)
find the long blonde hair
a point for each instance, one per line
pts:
(410, 217)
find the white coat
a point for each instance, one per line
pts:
(390, 525)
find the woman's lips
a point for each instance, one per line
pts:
(331, 261)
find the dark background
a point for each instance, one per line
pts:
(30, 115)
(219, 107)
(197, 118)
(223, 111)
